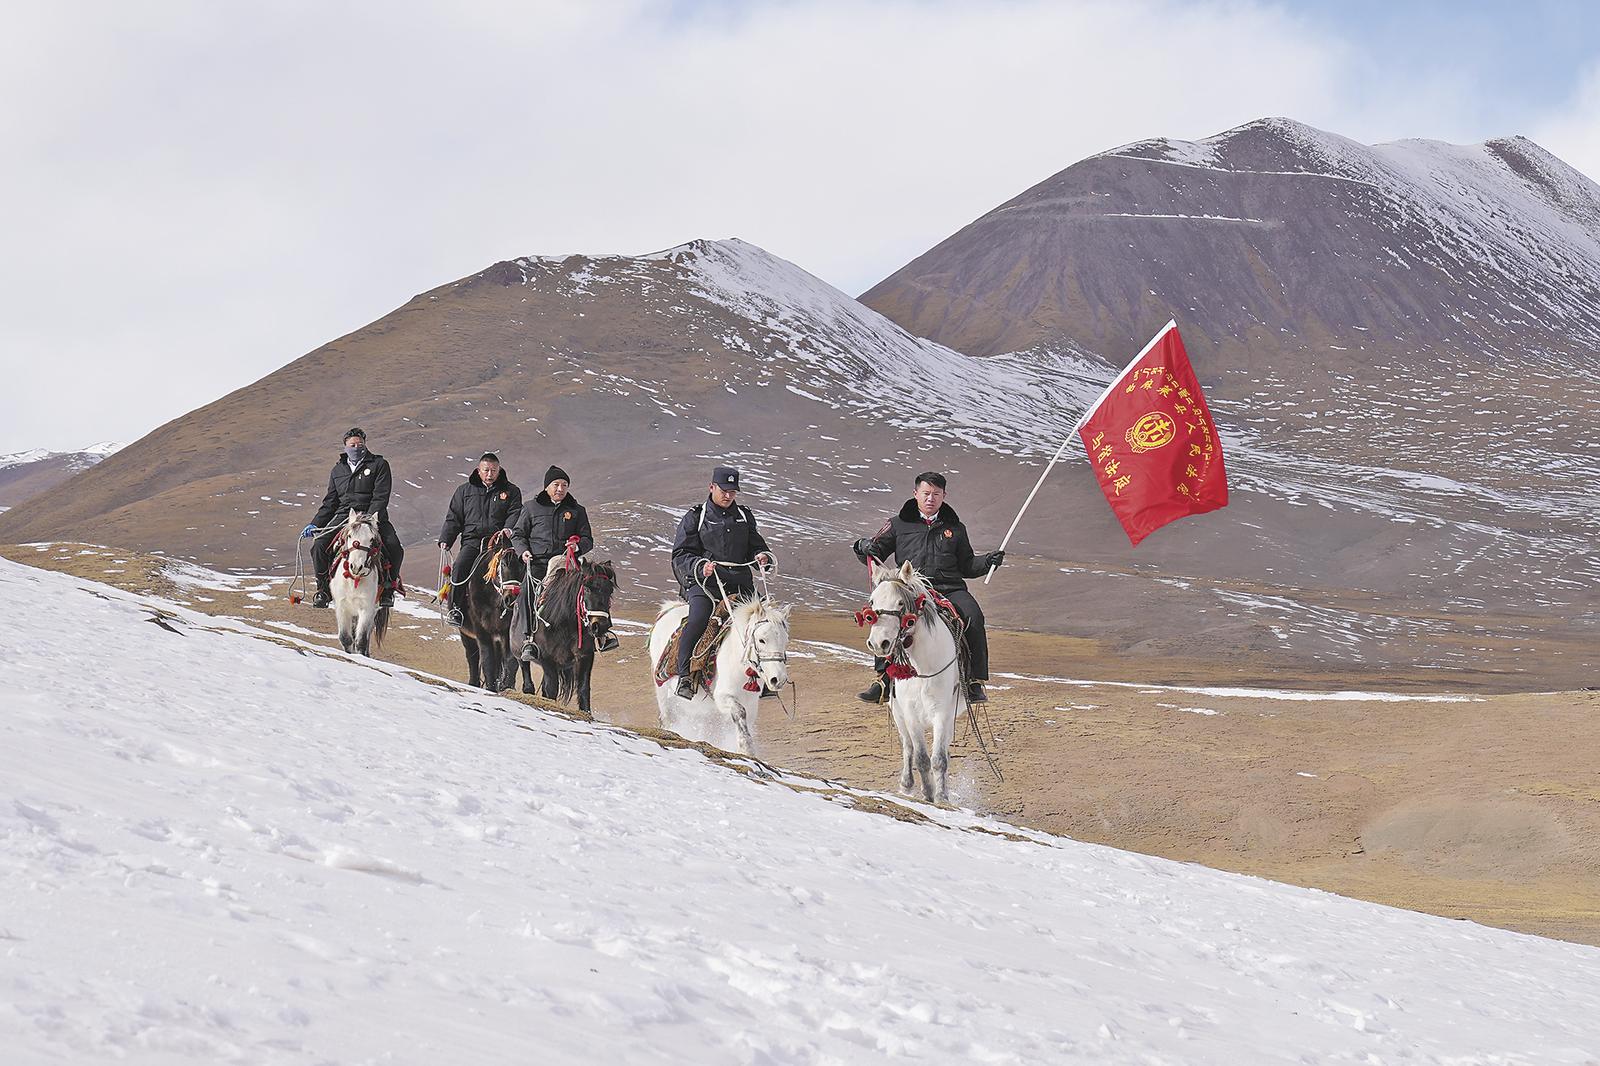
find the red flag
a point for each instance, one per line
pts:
(1152, 442)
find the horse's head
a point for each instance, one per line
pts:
(359, 542)
(766, 638)
(892, 604)
(599, 582)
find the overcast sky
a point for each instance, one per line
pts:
(196, 193)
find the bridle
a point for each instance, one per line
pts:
(751, 657)
(348, 546)
(911, 607)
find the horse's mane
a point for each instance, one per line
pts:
(746, 607)
(561, 593)
(916, 583)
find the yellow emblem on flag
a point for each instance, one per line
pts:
(1150, 432)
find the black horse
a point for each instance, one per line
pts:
(573, 617)
(485, 602)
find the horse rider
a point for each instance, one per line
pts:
(552, 522)
(928, 534)
(360, 481)
(717, 530)
(482, 506)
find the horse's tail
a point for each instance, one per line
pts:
(567, 683)
(380, 626)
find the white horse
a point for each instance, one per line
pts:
(906, 627)
(354, 582)
(755, 652)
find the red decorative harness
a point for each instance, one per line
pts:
(898, 667)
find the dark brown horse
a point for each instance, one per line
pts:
(485, 601)
(573, 617)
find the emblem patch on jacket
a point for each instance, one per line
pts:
(367, 472)
(503, 495)
(567, 515)
(949, 533)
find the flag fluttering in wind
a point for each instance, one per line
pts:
(1152, 442)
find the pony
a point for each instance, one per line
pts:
(754, 652)
(485, 599)
(924, 656)
(353, 578)
(572, 616)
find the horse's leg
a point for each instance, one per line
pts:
(943, 727)
(549, 677)
(919, 742)
(585, 667)
(733, 706)
(488, 664)
(469, 645)
(341, 617)
(906, 779)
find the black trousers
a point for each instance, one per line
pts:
(977, 638)
(699, 615)
(467, 552)
(322, 553)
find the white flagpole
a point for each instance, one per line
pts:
(1171, 324)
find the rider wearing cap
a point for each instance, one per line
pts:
(928, 534)
(718, 530)
(360, 481)
(549, 523)
(485, 504)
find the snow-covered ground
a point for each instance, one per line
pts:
(80, 459)
(217, 848)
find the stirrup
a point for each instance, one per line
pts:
(686, 687)
(975, 693)
(322, 599)
(528, 653)
(609, 643)
(386, 598)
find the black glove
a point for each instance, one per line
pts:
(860, 548)
(997, 557)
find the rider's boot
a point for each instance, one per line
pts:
(608, 642)
(528, 653)
(386, 596)
(685, 687)
(975, 693)
(322, 599)
(877, 692)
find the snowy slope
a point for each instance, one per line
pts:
(81, 459)
(219, 849)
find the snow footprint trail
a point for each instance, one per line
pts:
(214, 848)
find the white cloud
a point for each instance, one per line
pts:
(200, 193)
(1573, 131)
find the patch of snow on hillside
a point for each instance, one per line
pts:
(324, 860)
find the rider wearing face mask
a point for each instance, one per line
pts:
(360, 481)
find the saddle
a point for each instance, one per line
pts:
(703, 660)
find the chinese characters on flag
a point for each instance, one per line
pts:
(1152, 442)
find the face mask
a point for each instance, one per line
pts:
(355, 453)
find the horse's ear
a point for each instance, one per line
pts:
(906, 571)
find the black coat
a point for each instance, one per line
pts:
(726, 535)
(941, 552)
(477, 511)
(546, 526)
(365, 489)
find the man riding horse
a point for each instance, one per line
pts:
(927, 533)
(360, 481)
(718, 530)
(551, 523)
(487, 503)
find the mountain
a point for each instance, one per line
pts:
(27, 474)
(1404, 504)
(273, 869)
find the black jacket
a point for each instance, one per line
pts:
(545, 527)
(726, 535)
(477, 511)
(365, 489)
(941, 552)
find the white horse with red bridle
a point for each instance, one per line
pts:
(924, 656)
(354, 580)
(753, 653)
